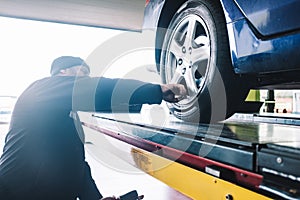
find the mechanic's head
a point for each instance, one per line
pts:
(69, 66)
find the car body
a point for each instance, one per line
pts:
(260, 39)
(257, 30)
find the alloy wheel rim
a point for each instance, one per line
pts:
(187, 57)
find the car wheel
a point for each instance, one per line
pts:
(195, 52)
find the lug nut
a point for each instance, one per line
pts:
(180, 61)
(279, 160)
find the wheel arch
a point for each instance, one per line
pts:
(221, 89)
(170, 8)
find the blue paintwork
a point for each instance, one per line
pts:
(231, 11)
(271, 16)
(252, 55)
(252, 51)
(264, 35)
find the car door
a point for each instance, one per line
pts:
(271, 17)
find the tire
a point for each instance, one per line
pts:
(195, 52)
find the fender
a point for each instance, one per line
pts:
(251, 52)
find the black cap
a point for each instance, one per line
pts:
(65, 62)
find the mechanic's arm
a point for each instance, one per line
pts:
(104, 94)
(124, 92)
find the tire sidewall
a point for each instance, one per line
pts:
(210, 106)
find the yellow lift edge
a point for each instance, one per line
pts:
(194, 184)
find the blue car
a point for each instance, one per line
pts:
(220, 49)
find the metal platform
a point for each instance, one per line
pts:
(249, 151)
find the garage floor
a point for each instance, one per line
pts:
(112, 182)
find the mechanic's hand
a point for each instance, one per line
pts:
(173, 93)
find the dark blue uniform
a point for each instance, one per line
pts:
(43, 156)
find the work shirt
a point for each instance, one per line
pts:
(43, 156)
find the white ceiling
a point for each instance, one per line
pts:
(116, 14)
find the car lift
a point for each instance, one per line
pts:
(246, 157)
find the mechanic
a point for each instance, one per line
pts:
(43, 155)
